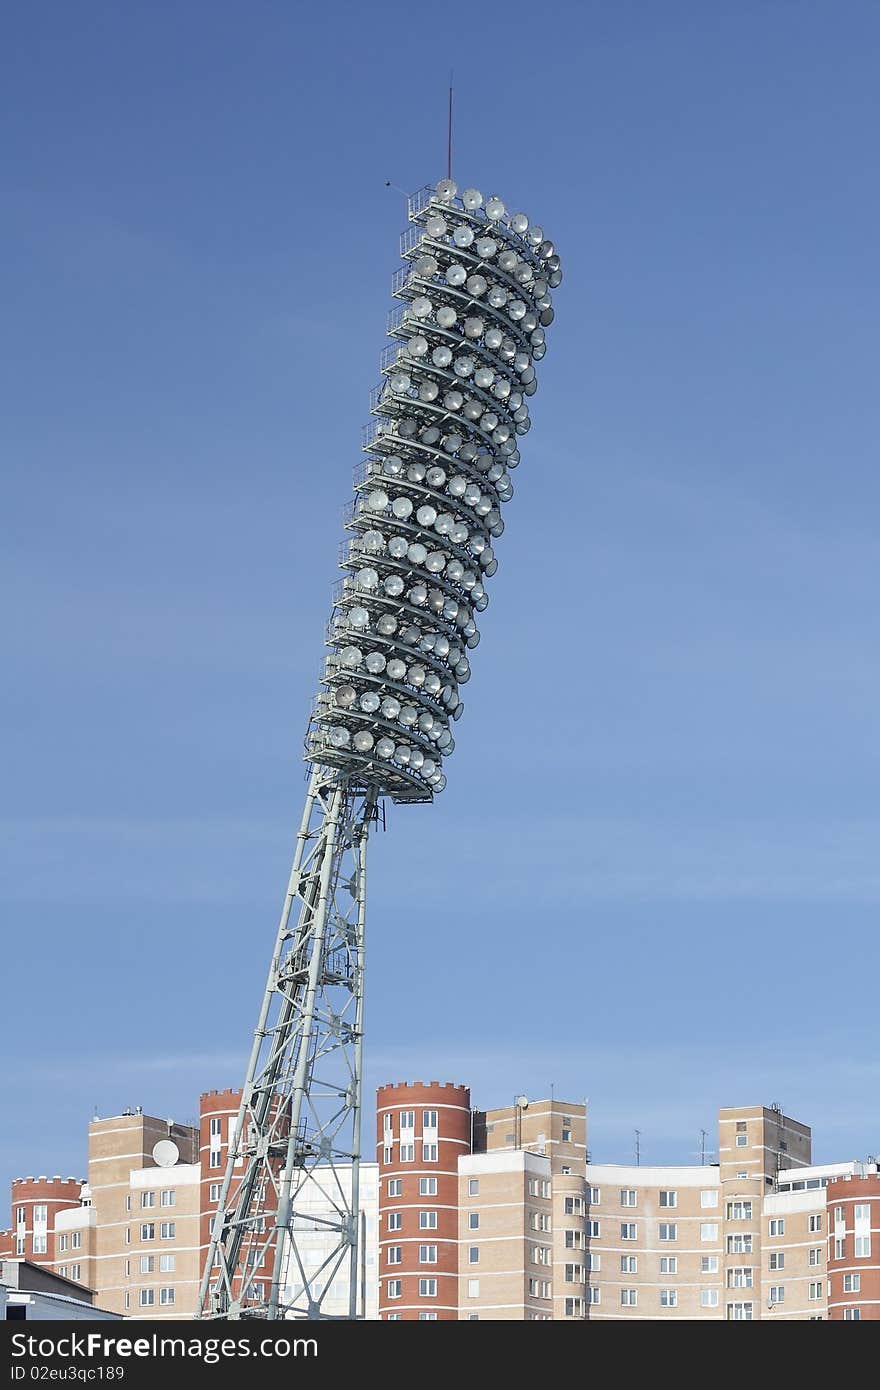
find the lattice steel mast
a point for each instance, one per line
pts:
(475, 287)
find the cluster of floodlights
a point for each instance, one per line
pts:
(428, 507)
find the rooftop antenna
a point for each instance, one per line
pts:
(449, 132)
(638, 1134)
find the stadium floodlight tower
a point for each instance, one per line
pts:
(475, 291)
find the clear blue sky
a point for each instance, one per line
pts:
(654, 876)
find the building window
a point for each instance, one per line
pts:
(168, 1197)
(739, 1211)
(839, 1216)
(669, 1298)
(128, 1235)
(708, 1230)
(840, 1247)
(394, 1317)
(148, 1199)
(852, 1314)
(668, 1264)
(395, 1288)
(427, 1317)
(574, 1274)
(407, 1153)
(427, 1187)
(473, 1187)
(593, 1263)
(815, 1222)
(214, 1192)
(427, 1288)
(777, 1293)
(427, 1220)
(668, 1230)
(473, 1221)
(852, 1283)
(166, 1296)
(19, 1245)
(740, 1277)
(76, 1240)
(167, 1263)
(147, 1298)
(429, 1119)
(777, 1259)
(407, 1119)
(545, 1187)
(41, 1214)
(395, 1255)
(740, 1312)
(39, 1244)
(473, 1286)
(167, 1230)
(75, 1272)
(574, 1240)
(429, 1153)
(128, 1201)
(709, 1198)
(708, 1264)
(668, 1198)
(574, 1308)
(708, 1298)
(628, 1230)
(63, 1271)
(388, 1123)
(628, 1197)
(862, 1247)
(629, 1264)
(148, 1264)
(592, 1230)
(572, 1206)
(427, 1254)
(540, 1220)
(740, 1244)
(777, 1226)
(629, 1298)
(473, 1254)
(815, 1290)
(148, 1230)
(395, 1220)
(127, 1300)
(388, 1154)
(741, 1141)
(815, 1257)
(62, 1243)
(594, 1196)
(395, 1187)
(593, 1294)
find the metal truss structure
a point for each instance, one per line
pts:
(474, 292)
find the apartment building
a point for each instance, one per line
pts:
(483, 1214)
(542, 1233)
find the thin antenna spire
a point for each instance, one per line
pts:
(449, 132)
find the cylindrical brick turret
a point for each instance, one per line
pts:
(853, 1208)
(217, 1115)
(422, 1129)
(35, 1204)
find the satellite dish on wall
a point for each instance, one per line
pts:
(166, 1153)
(522, 1102)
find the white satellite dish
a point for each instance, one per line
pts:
(522, 1102)
(166, 1153)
